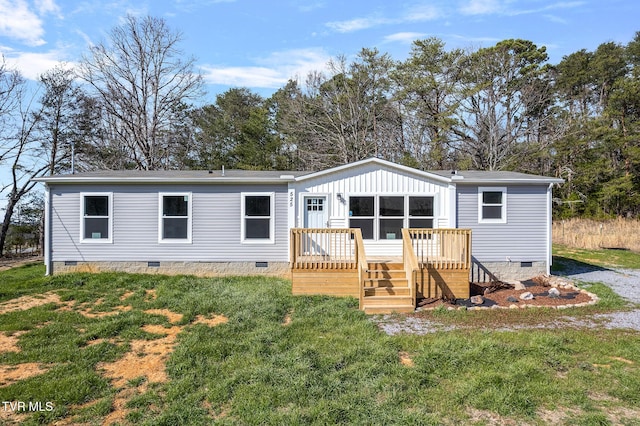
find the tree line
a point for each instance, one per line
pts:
(135, 102)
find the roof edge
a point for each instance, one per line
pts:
(149, 180)
(373, 160)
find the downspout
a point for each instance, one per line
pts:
(549, 230)
(47, 230)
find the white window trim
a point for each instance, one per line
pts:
(503, 215)
(405, 223)
(84, 240)
(272, 218)
(187, 240)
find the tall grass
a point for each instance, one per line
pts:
(595, 234)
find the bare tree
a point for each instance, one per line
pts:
(502, 101)
(346, 117)
(141, 81)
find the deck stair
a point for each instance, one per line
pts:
(386, 288)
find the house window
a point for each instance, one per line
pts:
(175, 217)
(257, 217)
(420, 212)
(96, 223)
(492, 205)
(391, 214)
(362, 215)
(383, 217)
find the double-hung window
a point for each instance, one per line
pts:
(421, 212)
(257, 217)
(391, 217)
(97, 217)
(175, 217)
(362, 215)
(492, 205)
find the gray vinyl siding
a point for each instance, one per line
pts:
(522, 238)
(216, 225)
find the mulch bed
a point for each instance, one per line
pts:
(502, 295)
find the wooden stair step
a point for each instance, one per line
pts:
(386, 282)
(387, 300)
(385, 266)
(387, 291)
(370, 310)
(382, 273)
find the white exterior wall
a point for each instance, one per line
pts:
(372, 179)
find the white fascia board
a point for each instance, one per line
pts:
(538, 181)
(159, 180)
(378, 161)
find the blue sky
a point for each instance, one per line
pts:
(260, 44)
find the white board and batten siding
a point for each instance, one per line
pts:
(216, 224)
(372, 180)
(524, 236)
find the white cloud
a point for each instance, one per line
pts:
(481, 7)
(270, 72)
(415, 14)
(423, 13)
(32, 65)
(404, 37)
(47, 6)
(356, 24)
(18, 22)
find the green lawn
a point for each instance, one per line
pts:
(563, 255)
(282, 359)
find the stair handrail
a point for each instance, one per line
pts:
(361, 261)
(410, 261)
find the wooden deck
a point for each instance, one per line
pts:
(435, 263)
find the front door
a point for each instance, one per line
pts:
(316, 214)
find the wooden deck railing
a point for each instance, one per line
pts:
(442, 248)
(325, 248)
(362, 264)
(411, 266)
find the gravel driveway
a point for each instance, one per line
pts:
(625, 282)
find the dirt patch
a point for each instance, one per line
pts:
(150, 295)
(147, 358)
(27, 302)
(126, 295)
(490, 418)
(287, 319)
(89, 313)
(171, 316)
(9, 343)
(111, 340)
(9, 417)
(211, 321)
(405, 359)
(618, 358)
(120, 410)
(10, 374)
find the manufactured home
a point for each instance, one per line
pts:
(385, 233)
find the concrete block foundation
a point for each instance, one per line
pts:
(482, 272)
(202, 269)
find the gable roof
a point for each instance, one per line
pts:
(378, 161)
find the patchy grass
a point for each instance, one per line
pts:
(267, 357)
(565, 257)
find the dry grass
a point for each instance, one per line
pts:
(593, 234)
